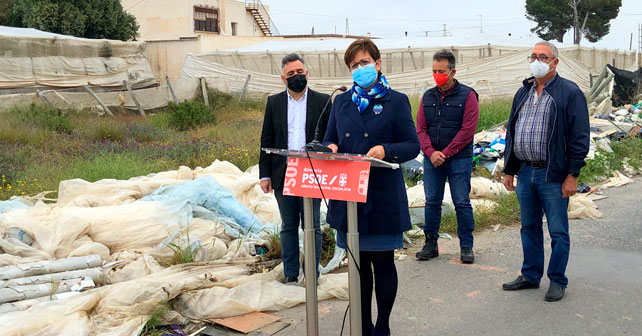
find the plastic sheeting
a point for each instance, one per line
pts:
(133, 223)
(211, 195)
(10, 205)
(118, 309)
(580, 206)
(498, 76)
(31, 58)
(123, 308)
(219, 302)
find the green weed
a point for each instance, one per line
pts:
(154, 321)
(190, 115)
(109, 130)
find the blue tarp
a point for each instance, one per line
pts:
(210, 200)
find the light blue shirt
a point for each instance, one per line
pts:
(297, 111)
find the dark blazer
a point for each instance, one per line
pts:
(569, 130)
(275, 131)
(386, 207)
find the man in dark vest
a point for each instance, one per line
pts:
(446, 124)
(289, 123)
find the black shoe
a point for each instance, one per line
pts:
(291, 280)
(429, 251)
(519, 284)
(555, 293)
(467, 255)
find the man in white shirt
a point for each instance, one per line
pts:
(289, 123)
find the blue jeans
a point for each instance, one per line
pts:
(537, 197)
(458, 173)
(291, 209)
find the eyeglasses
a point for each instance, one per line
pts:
(363, 62)
(541, 58)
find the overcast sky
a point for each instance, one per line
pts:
(387, 19)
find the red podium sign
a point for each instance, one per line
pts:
(339, 180)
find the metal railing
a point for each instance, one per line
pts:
(258, 5)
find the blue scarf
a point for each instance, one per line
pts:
(362, 98)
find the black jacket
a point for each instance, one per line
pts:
(569, 130)
(275, 131)
(386, 207)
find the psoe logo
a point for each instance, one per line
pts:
(343, 180)
(362, 189)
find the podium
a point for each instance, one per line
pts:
(335, 176)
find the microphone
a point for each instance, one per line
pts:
(315, 145)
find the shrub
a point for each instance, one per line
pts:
(190, 115)
(630, 147)
(219, 100)
(600, 167)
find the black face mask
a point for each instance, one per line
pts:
(297, 83)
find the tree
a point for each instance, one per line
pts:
(551, 16)
(82, 18)
(588, 18)
(600, 13)
(5, 6)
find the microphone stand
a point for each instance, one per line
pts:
(315, 145)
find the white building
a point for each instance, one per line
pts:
(180, 19)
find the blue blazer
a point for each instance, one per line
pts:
(569, 130)
(386, 208)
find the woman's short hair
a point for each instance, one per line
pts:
(365, 45)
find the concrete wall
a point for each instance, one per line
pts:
(166, 57)
(173, 19)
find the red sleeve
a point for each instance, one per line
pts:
(422, 132)
(468, 127)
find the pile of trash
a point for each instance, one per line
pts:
(628, 113)
(188, 239)
(488, 150)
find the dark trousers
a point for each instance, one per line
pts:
(291, 209)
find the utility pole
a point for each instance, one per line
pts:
(481, 23)
(639, 37)
(444, 30)
(347, 28)
(639, 43)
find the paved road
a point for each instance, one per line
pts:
(445, 297)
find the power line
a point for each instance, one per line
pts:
(390, 20)
(134, 5)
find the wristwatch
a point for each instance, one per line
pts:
(576, 175)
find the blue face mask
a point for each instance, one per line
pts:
(365, 76)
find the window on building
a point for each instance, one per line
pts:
(234, 28)
(206, 19)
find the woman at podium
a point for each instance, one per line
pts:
(374, 120)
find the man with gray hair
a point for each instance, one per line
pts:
(547, 140)
(289, 123)
(446, 124)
